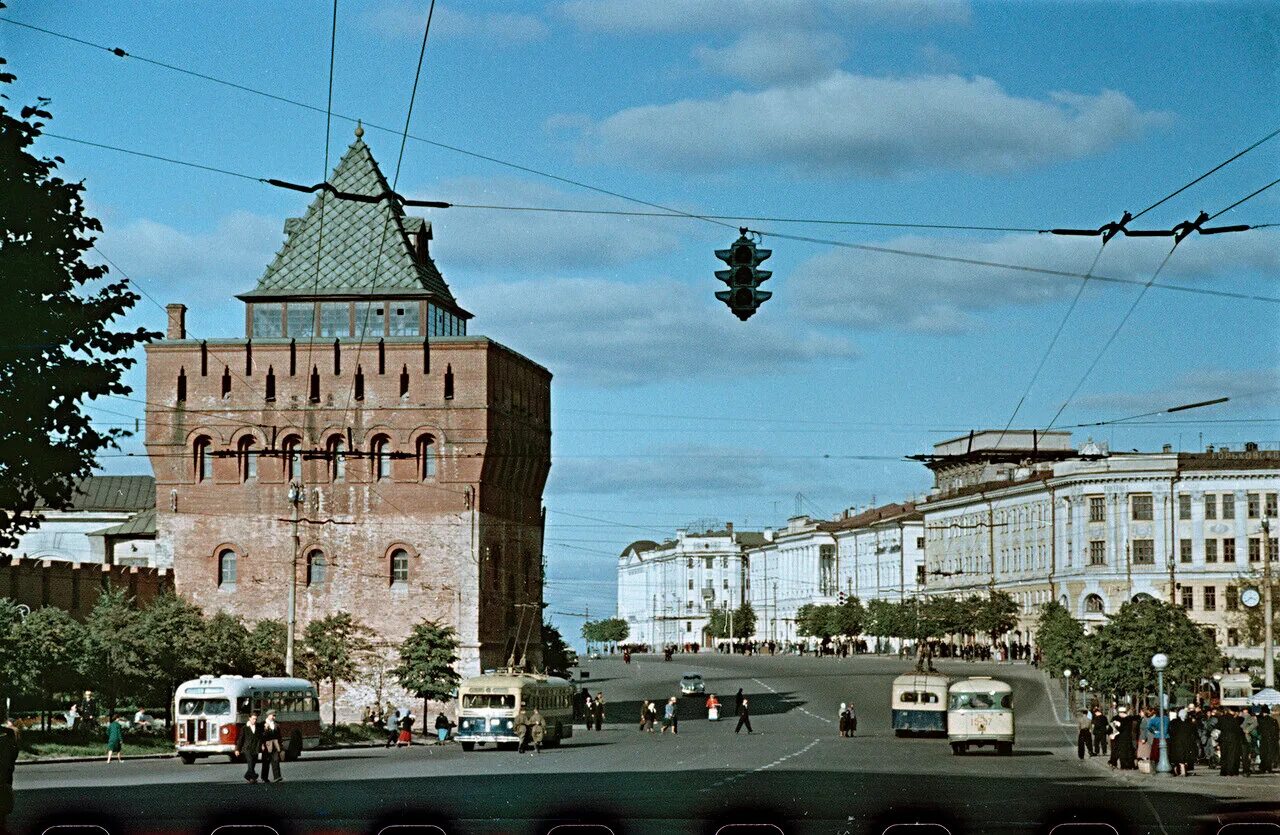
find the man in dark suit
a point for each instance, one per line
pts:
(744, 716)
(248, 744)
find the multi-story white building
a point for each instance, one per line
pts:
(1093, 529)
(667, 590)
(875, 554)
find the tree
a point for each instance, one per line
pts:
(13, 663)
(606, 631)
(266, 648)
(848, 618)
(555, 652)
(886, 619)
(59, 346)
(1250, 620)
(995, 615)
(171, 636)
(1060, 638)
(427, 659)
(50, 642)
(227, 645)
(1118, 656)
(333, 650)
(111, 661)
(744, 621)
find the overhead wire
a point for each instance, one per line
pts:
(1211, 171)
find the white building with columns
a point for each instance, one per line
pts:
(667, 590)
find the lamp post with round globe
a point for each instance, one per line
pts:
(1066, 674)
(1159, 661)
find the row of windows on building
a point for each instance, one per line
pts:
(335, 454)
(1209, 598)
(1143, 551)
(1216, 506)
(317, 568)
(339, 319)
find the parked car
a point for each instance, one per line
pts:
(692, 684)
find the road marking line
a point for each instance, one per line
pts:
(803, 710)
(733, 778)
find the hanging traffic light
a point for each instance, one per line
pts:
(744, 277)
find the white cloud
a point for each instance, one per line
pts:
(611, 333)
(175, 265)
(670, 16)
(867, 290)
(856, 124)
(1253, 392)
(398, 20)
(524, 242)
(775, 57)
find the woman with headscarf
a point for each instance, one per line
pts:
(844, 719)
(1182, 743)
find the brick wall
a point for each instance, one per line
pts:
(75, 587)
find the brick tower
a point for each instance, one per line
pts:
(419, 452)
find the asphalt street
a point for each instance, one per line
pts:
(795, 771)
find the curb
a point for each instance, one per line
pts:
(174, 755)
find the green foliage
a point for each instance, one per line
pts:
(50, 643)
(13, 670)
(58, 346)
(811, 621)
(334, 647)
(744, 621)
(170, 636)
(994, 615)
(427, 663)
(267, 640)
(112, 646)
(1250, 620)
(1061, 639)
(888, 620)
(606, 631)
(227, 646)
(555, 652)
(1118, 657)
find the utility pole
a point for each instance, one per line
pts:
(295, 499)
(1268, 641)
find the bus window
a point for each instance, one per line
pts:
(243, 704)
(206, 707)
(974, 701)
(488, 700)
(929, 698)
(908, 696)
(1006, 700)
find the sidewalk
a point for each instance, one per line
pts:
(169, 755)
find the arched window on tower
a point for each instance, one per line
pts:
(226, 568)
(380, 452)
(248, 459)
(292, 449)
(399, 567)
(426, 454)
(203, 459)
(337, 458)
(317, 568)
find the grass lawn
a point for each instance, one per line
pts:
(37, 745)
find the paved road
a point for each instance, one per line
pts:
(794, 771)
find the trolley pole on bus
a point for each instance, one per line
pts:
(295, 499)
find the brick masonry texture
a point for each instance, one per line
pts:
(75, 587)
(472, 530)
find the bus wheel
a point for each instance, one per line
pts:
(899, 732)
(958, 748)
(294, 749)
(468, 746)
(1005, 749)
(187, 759)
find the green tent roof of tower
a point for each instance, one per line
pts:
(365, 249)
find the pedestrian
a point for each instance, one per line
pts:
(651, 716)
(406, 730)
(597, 709)
(392, 726)
(522, 730)
(443, 726)
(537, 730)
(272, 748)
(1182, 742)
(1101, 728)
(8, 757)
(744, 716)
(737, 703)
(713, 708)
(644, 713)
(248, 743)
(669, 716)
(1230, 743)
(844, 719)
(1124, 740)
(1084, 734)
(1268, 741)
(115, 739)
(72, 717)
(853, 720)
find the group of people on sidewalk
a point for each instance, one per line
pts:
(1236, 740)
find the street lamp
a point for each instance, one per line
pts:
(1268, 642)
(1160, 661)
(1066, 674)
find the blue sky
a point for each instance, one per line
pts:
(666, 409)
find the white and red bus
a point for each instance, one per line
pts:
(210, 712)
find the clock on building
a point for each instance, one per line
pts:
(1250, 597)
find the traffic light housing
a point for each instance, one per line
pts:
(744, 276)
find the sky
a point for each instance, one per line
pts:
(667, 411)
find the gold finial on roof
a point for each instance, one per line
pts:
(359, 129)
